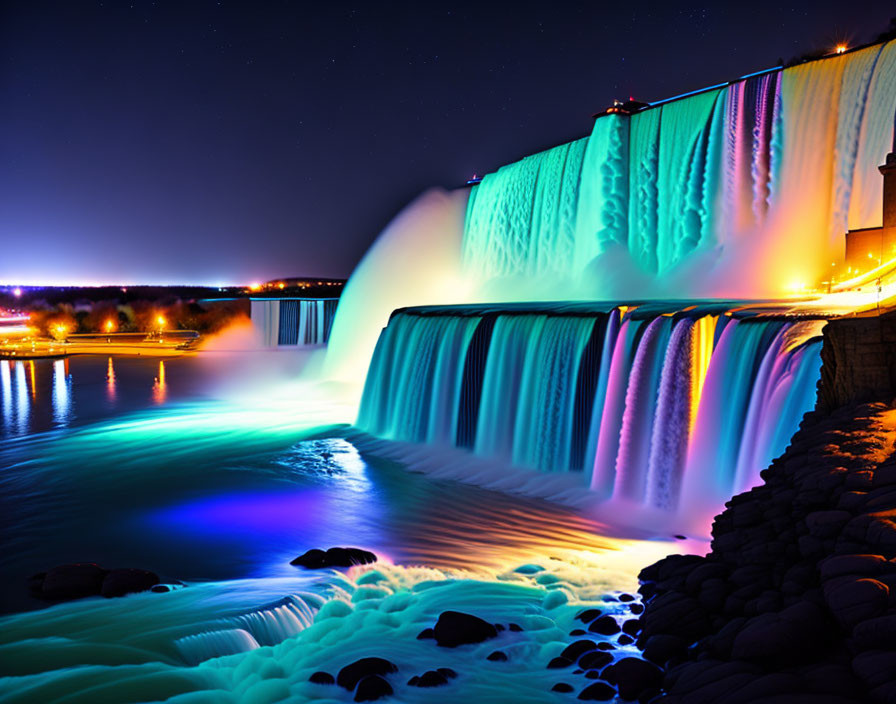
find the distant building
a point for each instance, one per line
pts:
(875, 245)
(293, 322)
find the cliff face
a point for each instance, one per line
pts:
(796, 602)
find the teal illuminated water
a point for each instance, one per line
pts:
(220, 489)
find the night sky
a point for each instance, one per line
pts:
(225, 142)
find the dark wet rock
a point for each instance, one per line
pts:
(626, 597)
(604, 645)
(595, 660)
(497, 656)
(558, 663)
(321, 677)
(456, 628)
(662, 648)
(875, 667)
(562, 687)
(636, 608)
(499, 627)
(128, 581)
(875, 633)
(73, 581)
(577, 632)
(597, 692)
(588, 615)
(648, 695)
(160, 588)
(426, 633)
(515, 627)
(447, 672)
(634, 675)
(843, 565)
(574, 651)
(371, 688)
(430, 678)
(315, 559)
(605, 626)
(593, 674)
(852, 600)
(827, 524)
(632, 627)
(625, 639)
(351, 674)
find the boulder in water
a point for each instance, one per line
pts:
(456, 628)
(372, 688)
(72, 581)
(598, 692)
(82, 579)
(351, 674)
(634, 675)
(430, 678)
(315, 559)
(574, 651)
(321, 677)
(128, 581)
(605, 626)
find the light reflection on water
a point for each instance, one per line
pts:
(6, 392)
(110, 382)
(23, 403)
(61, 393)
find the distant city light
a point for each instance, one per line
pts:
(109, 325)
(17, 292)
(840, 48)
(161, 322)
(255, 287)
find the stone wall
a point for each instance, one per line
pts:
(858, 362)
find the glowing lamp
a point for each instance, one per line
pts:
(161, 322)
(255, 287)
(17, 292)
(109, 326)
(840, 48)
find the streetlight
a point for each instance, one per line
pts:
(161, 322)
(109, 325)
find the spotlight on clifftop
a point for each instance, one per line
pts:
(622, 107)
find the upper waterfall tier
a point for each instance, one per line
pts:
(743, 190)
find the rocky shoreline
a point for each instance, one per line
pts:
(796, 602)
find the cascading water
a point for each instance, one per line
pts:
(681, 404)
(293, 321)
(767, 166)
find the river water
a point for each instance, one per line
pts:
(216, 471)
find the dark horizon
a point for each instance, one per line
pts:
(221, 143)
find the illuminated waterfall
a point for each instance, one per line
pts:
(742, 178)
(293, 321)
(646, 407)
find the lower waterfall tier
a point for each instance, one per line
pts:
(666, 405)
